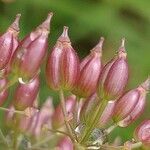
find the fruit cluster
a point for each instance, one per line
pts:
(97, 101)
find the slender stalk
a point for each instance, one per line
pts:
(16, 132)
(14, 111)
(94, 121)
(76, 112)
(58, 131)
(111, 128)
(15, 138)
(63, 106)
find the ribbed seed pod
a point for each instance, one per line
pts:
(8, 43)
(63, 64)
(15, 43)
(126, 104)
(31, 51)
(114, 76)
(139, 107)
(142, 133)
(90, 69)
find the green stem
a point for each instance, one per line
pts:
(75, 113)
(111, 128)
(94, 121)
(63, 106)
(58, 131)
(14, 111)
(16, 132)
(15, 143)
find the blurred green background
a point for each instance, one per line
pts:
(88, 20)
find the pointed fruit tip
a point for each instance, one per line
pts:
(64, 36)
(146, 84)
(122, 51)
(15, 25)
(100, 43)
(123, 42)
(46, 23)
(122, 46)
(65, 31)
(99, 46)
(49, 17)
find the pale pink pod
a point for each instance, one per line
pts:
(31, 52)
(65, 144)
(58, 118)
(103, 77)
(135, 113)
(26, 93)
(90, 69)
(126, 104)
(139, 107)
(15, 42)
(14, 28)
(114, 76)
(8, 42)
(142, 133)
(63, 64)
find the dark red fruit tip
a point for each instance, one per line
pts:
(99, 46)
(64, 36)
(15, 25)
(46, 23)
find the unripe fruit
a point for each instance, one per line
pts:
(90, 69)
(114, 76)
(63, 64)
(139, 107)
(25, 94)
(8, 43)
(126, 104)
(31, 52)
(142, 132)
